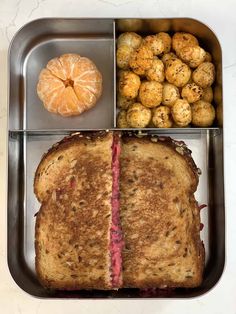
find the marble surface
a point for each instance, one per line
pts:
(220, 16)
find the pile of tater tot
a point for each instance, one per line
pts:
(164, 82)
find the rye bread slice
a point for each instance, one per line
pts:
(72, 238)
(159, 215)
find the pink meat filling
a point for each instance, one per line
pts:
(116, 241)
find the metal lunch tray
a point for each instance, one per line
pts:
(32, 131)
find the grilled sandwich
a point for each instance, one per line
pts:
(117, 211)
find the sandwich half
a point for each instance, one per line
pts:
(77, 239)
(160, 217)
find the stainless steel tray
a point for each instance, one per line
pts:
(32, 132)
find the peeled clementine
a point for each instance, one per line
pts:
(69, 85)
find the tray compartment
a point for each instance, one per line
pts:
(43, 40)
(25, 152)
(207, 39)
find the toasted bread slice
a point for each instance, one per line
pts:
(159, 215)
(72, 239)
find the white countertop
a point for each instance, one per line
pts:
(220, 16)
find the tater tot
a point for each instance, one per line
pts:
(150, 94)
(204, 74)
(191, 92)
(122, 120)
(129, 39)
(181, 112)
(207, 94)
(156, 72)
(203, 114)
(123, 102)
(162, 117)
(154, 43)
(178, 73)
(123, 55)
(166, 39)
(138, 116)
(129, 84)
(141, 60)
(181, 39)
(168, 56)
(192, 55)
(170, 94)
